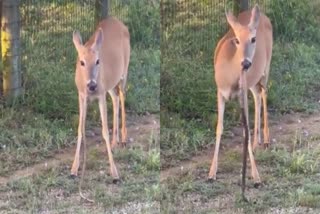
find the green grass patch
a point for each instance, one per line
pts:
(289, 182)
(27, 138)
(53, 190)
(180, 138)
(45, 119)
(188, 90)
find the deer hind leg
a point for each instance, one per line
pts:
(254, 171)
(266, 134)
(256, 92)
(81, 133)
(123, 113)
(115, 103)
(105, 134)
(219, 131)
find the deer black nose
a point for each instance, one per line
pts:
(246, 64)
(92, 86)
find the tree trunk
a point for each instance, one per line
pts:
(101, 10)
(10, 49)
(240, 5)
(1, 65)
(244, 5)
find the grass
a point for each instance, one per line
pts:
(28, 138)
(46, 117)
(41, 64)
(52, 190)
(188, 112)
(284, 186)
(180, 136)
(143, 93)
(44, 121)
(188, 92)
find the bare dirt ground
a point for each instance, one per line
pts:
(141, 130)
(138, 128)
(282, 130)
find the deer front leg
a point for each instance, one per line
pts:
(115, 130)
(123, 116)
(105, 134)
(254, 170)
(219, 131)
(257, 118)
(81, 133)
(266, 133)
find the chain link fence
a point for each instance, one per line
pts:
(200, 22)
(48, 54)
(142, 18)
(190, 30)
(10, 80)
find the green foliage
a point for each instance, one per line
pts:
(180, 138)
(27, 138)
(50, 57)
(144, 24)
(305, 198)
(286, 164)
(289, 172)
(52, 190)
(47, 117)
(188, 42)
(153, 160)
(294, 20)
(143, 92)
(293, 77)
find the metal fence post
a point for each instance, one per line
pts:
(240, 5)
(244, 5)
(1, 65)
(10, 49)
(101, 10)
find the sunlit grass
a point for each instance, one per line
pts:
(45, 119)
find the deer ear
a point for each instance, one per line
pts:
(232, 20)
(98, 39)
(77, 41)
(255, 17)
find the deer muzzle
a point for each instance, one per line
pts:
(246, 64)
(92, 86)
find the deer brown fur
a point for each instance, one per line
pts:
(246, 46)
(101, 68)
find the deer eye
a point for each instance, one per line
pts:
(97, 62)
(253, 40)
(236, 41)
(81, 63)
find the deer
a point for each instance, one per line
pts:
(101, 68)
(242, 59)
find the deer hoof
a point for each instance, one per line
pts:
(254, 148)
(257, 185)
(244, 199)
(116, 181)
(211, 180)
(123, 144)
(73, 176)
(114, 146)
